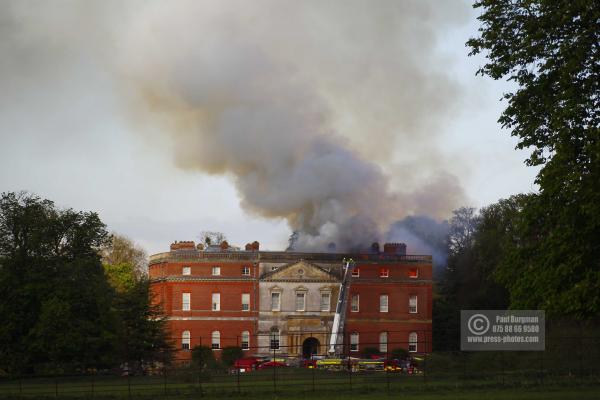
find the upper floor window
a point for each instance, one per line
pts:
(412, 304)
(275, 301)
(245, 270)
(356, 272)
(245, 301)
(216, 271)
(413, 273)
(300, 301)
(412, 342)
(186, 301)
(325, 301)
(384, 272)
(354, 341)
(354, 303)
(245, 342)
(216, 340)
(383, 303)
(216, 301)
(186, 271)
(185, 340)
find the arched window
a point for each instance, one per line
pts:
(274, 338)
(216, 340)
(245, 342)
(185, 340)
(412, 342)
(383, 342)
(354, 341)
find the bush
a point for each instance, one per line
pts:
(399, 354)
(370, 351)
(230, 354)
(203, 357)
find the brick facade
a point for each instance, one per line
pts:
(202, 292)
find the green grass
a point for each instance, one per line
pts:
(293, 383)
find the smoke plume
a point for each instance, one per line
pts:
(306, 106)
(300, 103)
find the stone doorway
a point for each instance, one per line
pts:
(310, 347)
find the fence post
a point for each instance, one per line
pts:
(274, 372)
(129, 384)
(93, 384)
(313, 376)
(542, 367)
(502, 364)
(165, 374)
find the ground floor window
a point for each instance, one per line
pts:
(274, 339)
(354, 341)
(185, 340)
(245, 340)
(412, 342)
(383, 342)
(216, 340)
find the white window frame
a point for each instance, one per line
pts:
(216, 271)
(413, 340)
(384, 273)
(356, 272)
(186, 301)
(216, 302)
(413, 305)
(300, 295)
(186, 339)
(383, 342)
(274, 339)
(416, 275)
(325, 306)
(352, 303)
(384, 303)
(215, 340)
(246, 270)
(186, 270)
(245, 301)
(245, 340)
(278, 308)
(354, 341)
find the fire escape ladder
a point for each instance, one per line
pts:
(337, 330)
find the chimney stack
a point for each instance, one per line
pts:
(394, 249)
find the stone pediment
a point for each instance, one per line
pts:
(300, 271)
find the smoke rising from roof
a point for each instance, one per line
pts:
(304, 105)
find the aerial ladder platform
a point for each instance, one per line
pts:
(336, 340)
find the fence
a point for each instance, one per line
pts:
(567, 360)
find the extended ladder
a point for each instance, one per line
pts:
(340, 311)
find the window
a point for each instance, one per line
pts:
(325, 301)
(275, 304)
(356, 272)
(300, 301)
(245, 301)
(245, 270)
(354, 341)
(383, 341)
(384, 272)
(354, 303)
(216, 271)
(274, 339)
(383, 303)
(216, 301)
(412, 342)
(413, 273)
(245, 344)
(274, 268)
(185, 301)
(185, 340)
(412, 304)
(216, 340)
(186, 271)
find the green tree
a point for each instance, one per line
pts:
(551, 51)
(56, 302)
(204, 357)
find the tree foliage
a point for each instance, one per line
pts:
(551, 51)
(56, 302)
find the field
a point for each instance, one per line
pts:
(292, 383)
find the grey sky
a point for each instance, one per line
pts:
(67, 131)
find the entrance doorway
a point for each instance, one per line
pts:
(310, 347)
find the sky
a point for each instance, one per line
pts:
(169, 119)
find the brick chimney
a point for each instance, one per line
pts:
(183, 245)
(375, 248)
(395, 249)
(224, 245)
(248, 246)
(255, 246)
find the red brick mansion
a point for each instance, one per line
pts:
(284, 302)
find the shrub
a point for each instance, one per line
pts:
(230, 354)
